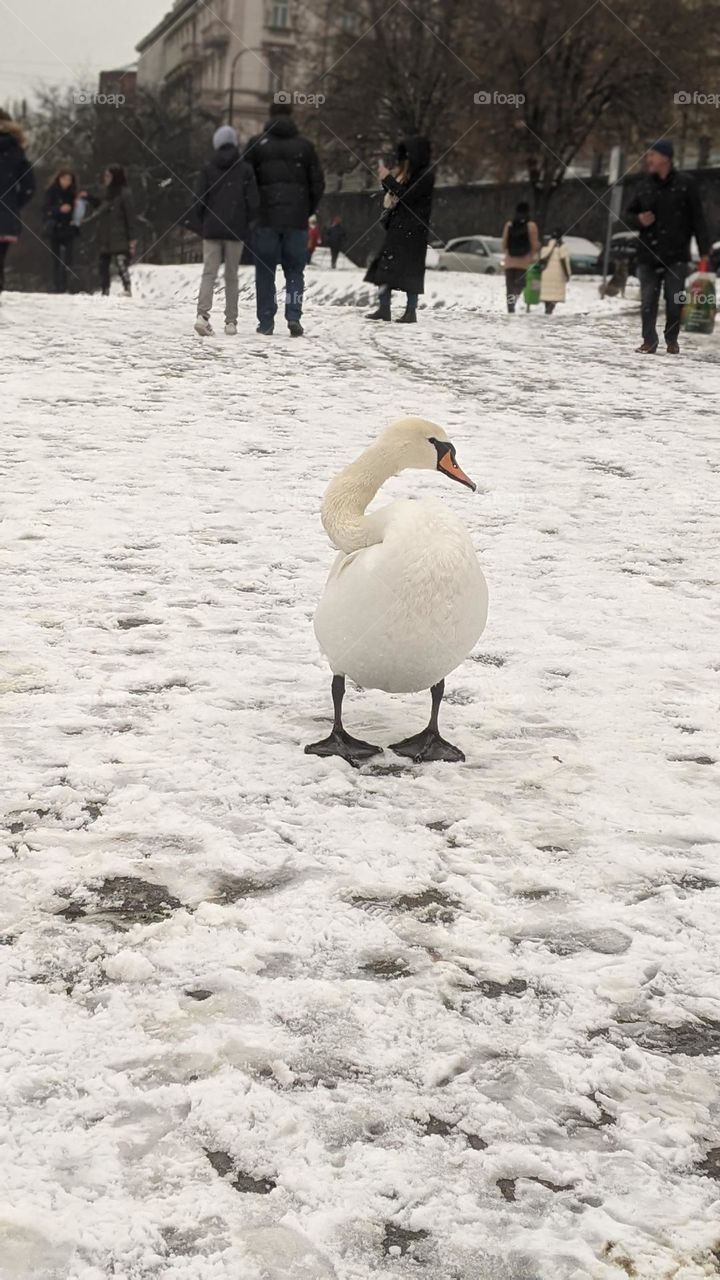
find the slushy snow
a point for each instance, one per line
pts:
(267, 1017)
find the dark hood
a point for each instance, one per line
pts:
(11, 135)
(281, 127)
(226, 155)
(416, 150)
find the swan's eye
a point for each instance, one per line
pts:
(442, 448)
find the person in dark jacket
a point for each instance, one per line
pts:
(668, 211)
(17, 185)
(335, 237)
(60, 230)
(290, 182)
(408, 205)
(114, 219)
(227, 204)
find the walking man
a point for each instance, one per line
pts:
(290, 182)
(227, 203)
(520, 242)
(668, 211)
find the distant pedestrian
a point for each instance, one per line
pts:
(520, 242)
(400, 264)
(61, 231)
(556, 271)
(290, 183)
(17, 185)
(335, 237)
(115, 222)
(668, 211)
(226, 206)
(313, 236)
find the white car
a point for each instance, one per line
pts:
(585, 255)
(472, 253)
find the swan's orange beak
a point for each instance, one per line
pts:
(448, 464)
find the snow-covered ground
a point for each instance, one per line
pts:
(267, 1017)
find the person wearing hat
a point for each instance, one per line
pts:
(226, 205)
(668, 212)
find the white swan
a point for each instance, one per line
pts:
(406, 599)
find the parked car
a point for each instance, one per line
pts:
(585, 255)
(472, 253)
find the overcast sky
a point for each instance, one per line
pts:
(64, 41)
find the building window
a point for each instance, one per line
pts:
(279, 19)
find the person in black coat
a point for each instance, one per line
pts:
(408, 206)
(668, 211)
(60, 230)
(17, 185)
(226, 207)
(290, 182)
(114, 219)
(334, 237)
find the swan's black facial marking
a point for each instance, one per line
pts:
(447, 462)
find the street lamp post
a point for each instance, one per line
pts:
(236, 59)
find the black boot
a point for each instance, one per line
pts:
(383, 310)
(409, 316)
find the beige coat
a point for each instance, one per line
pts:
(553, 281)
(528, 257)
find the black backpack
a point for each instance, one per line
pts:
(518, 240)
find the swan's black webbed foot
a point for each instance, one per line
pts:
(427, 746)
(341, 743)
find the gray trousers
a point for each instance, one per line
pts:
(215, 252)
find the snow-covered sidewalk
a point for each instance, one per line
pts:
(270, 1018)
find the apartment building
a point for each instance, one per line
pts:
(225, 57)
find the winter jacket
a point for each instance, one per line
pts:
(288, 173)
(335, 235)
(314, 238)
(675, 201)
(114, 221)
(401, 261)
(521, 261)
(56, 225)
(227, 197)
(553, 281)
(17, 180)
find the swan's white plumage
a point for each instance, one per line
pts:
(400, 612)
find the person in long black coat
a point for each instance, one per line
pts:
(60, 230)
(17, 185)
(400, 263)
(114, 222)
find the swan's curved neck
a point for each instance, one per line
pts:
(351, 492)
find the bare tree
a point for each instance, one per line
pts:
(584, 76)
(386, 72)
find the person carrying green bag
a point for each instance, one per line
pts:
(520, 242)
